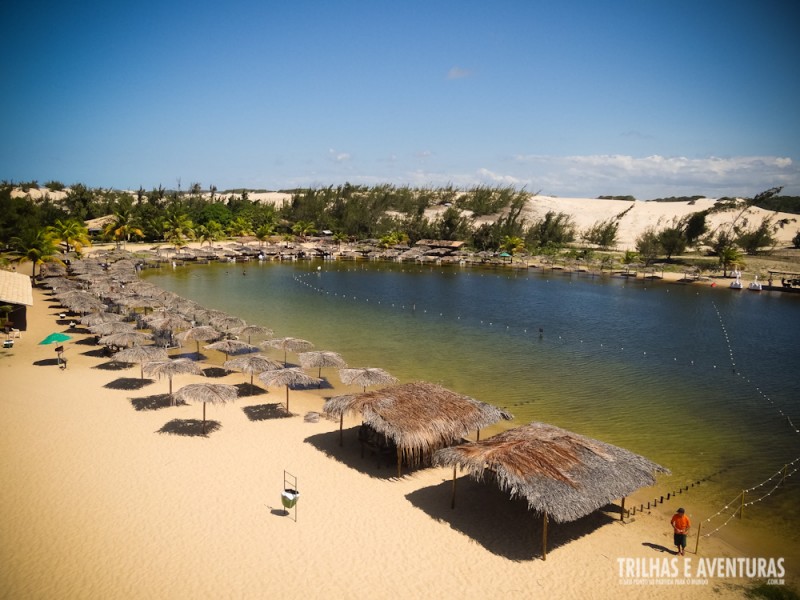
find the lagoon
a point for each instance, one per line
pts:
(702, 380)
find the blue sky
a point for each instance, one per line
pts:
(576, 98)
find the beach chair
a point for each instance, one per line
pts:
(15, 333)
(8, 343)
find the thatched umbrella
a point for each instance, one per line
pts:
(171, 367)
(167, 322)
(231, 347)
(319, 359)
(141, 355)
(287, 377)
(366, 377)
(288, 343)
(202, 333)
(96, 318)
(561, 474)
(125, 338)
(252, 364)
(419, 417)
(112, 327)
(251, 330)
(216, 393)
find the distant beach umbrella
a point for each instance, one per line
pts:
(215, 393)
(141, 355)
(227, 323)
(203, 333)
(252, 364)
(288, 343)
(171, 367)
(251, 330)
(231, 347)
(112, 327)
(366, 377)
(167, 322)
(319, 359)
(125, 338)
(97, 318)
(287, 377)
(55, 338)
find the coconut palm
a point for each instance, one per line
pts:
(178, 228)
(71, 232)
(123, 227)
(37, 247)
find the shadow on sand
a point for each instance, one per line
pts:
(350, 454)
(265, 412)
(215, 372)
(128, 383)
(111, 365)
(245, 390)
(502, 525)
(86, 341)
(46, 362)
(189, 427)
(154, 402)
(659, 548)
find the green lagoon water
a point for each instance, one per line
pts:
(698, 379)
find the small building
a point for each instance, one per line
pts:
(16, 291)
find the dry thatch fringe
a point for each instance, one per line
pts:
(563, 473)
(215, 393)
(419, 417)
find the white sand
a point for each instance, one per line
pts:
(96, 504)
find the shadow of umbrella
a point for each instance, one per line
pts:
(216, 393)
(171, 367)
(141, 355)
(287, 377)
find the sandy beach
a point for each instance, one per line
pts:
(97, 503)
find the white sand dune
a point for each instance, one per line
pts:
(96, 503)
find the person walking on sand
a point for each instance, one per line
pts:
(680, 526)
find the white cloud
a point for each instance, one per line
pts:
(338, 156)
(653, 176)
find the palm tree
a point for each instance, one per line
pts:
(123, 227)
(263, 233)
(512, 244)
(303, 229)
(71, 232)
(729, 257)
(36, 246)
(178, 229)
(339, 237)
(210, 232)
(240, 227)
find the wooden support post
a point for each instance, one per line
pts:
(399, 462)
(478, 435)
(341, 429)
(544, 536)
(453, 500)
(622, 510)
(697, 543)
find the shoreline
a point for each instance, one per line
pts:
(164, 515)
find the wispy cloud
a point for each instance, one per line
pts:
(338, 156)
(458, 73)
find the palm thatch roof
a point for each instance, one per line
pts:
(321, 358)
(560, 473)
(419, 417)
(252, 364)
(140, 354)
(125, 338)
(366, 376)
(171, 367)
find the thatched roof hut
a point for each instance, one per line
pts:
(561, 474)
(418, 417)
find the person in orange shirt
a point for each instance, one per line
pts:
(680, 526)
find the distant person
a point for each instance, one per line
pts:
(680, 526)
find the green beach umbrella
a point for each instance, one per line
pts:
(54, 338)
